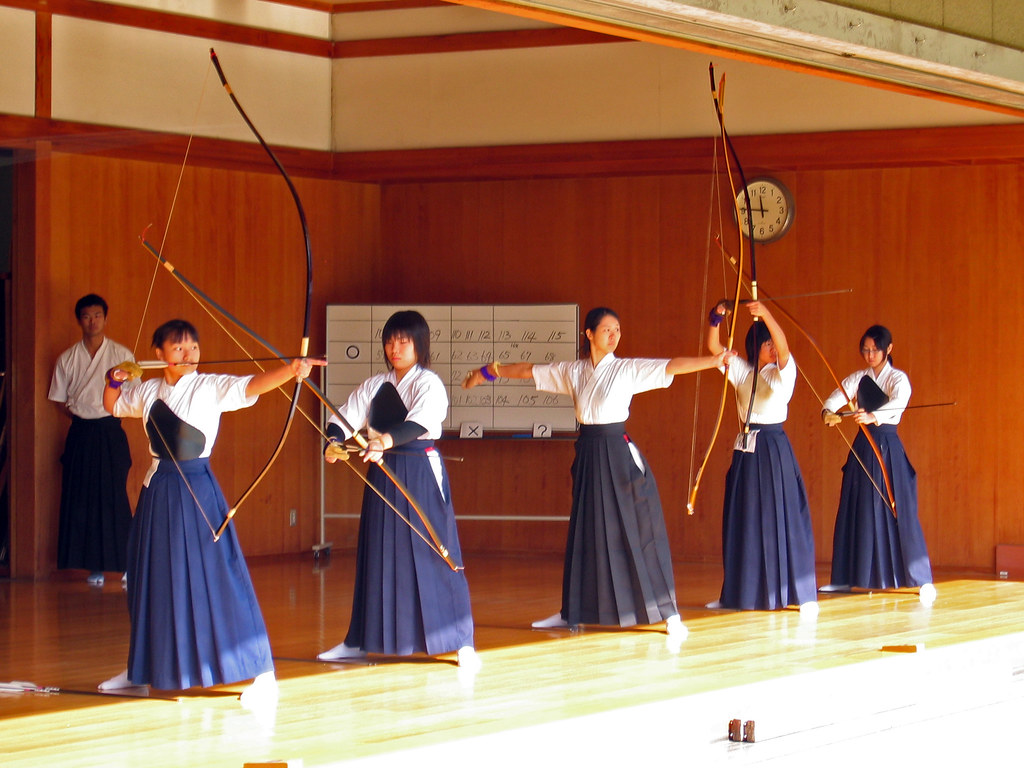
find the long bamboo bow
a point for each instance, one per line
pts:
(304, 344)
(718, 96)
(434, 542)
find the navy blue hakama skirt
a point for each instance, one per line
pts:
(95, 514)
(618, 565)
(194, 616)
(767, 538)
(871, 548)
(407, 599)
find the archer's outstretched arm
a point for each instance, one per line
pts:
(265, 381)
(679, 365)
(497, 370)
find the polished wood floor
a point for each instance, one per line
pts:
(876, 674)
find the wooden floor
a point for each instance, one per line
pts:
(877, 676)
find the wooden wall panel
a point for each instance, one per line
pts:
(929, 251)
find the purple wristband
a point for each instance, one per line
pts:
(486, 374)
(715, 319)
(112, 382)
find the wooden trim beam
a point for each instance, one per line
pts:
(371, 6)
(470, 41)
(177, 24)
(971, 145)
(778, 153)
(194, 26)
(17, 132)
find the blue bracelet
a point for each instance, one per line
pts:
(484, 372)
(715, 319)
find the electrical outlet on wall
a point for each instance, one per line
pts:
(292, 517)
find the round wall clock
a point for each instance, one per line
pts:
(770, 212)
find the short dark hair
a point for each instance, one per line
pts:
(90, 300)
(410, 324)
(174, 330)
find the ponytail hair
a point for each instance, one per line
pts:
(882, 338)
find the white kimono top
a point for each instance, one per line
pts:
(79, 378)
(774, 390)
(894, 383)
(421, 390)
(424, 395)
(198, 399)
(602, 395)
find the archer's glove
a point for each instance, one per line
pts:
(335, 451)
(133, 369)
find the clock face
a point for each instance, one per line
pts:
(769, 214)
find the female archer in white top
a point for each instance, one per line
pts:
(193, 612)
(875, 546)
(407, 599)
(618, 566)
(767, 537)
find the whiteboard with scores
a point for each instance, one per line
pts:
(464, 337)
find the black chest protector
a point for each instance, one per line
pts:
(870, 396)
(387, 411)
(172, 438)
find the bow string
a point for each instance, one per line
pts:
(718, 96)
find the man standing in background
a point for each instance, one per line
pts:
(94, 511)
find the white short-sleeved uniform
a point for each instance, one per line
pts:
(423, 393)
(78, 378)
(95, 514)
(774, 390)
(602, 395)
(197, 398)
(894, 383)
